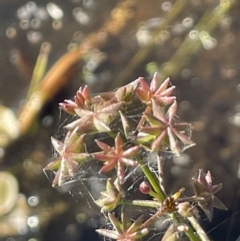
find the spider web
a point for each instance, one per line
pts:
(87, 184)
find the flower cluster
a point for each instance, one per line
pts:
(128, 125)
(153, 131)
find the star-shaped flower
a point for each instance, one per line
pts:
(163, 128)
(204, 189)
(111, 197)
(69, 159)
(82, 99)
(97, 119)
(124, 230)
(116, 157)
(161, 94)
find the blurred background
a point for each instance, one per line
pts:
(49, 49)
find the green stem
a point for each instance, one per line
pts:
(154, 183)
(142, 203)
(152, 219)
(198, 229)
(189, 199)
(178, 219)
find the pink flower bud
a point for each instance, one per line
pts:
(145, 187)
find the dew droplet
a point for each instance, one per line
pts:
(31, 7)
(90, 4)
(33, 201)
(22, 230)
(57, 24)
(33, 221)
(143, 36)
(193, 34)
(35, 23)
(41, 13)
(24, 24)
(34, 37)
(166, 6)
(187, 22)
(22, 13)
(80, 16)
(54, 11)
(11, 32)
(207, 41)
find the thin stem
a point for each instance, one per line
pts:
(148, 222)
(160, 162)
(152, 179)
(142, 203)
(178, 219)
(153, 194)
(190, 199)
(198, 229)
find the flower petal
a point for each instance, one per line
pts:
(216, 188)
(183, 138)
(54, 165)
(120, 172)
(104, 157)
(83, 112)
(136, 224)
(131, 151)
(156, 144)
(78, 157)
(167, 92)
(111, 188)
(118, 143)
(100, 125)
(154, 83)
(58, 145)
(218, 204)
(129, 162)
(143, 91)
(112, 109)
(162, 87)
(116, 224)
(108, 167)
(86, 94)
(171, 111)
(172, 142)
(104, 146)
(154, 121)
(157, 112)
(126, 126)
(108, 233)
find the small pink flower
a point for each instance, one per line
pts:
(161, 94)
(70, 156)
(124, 230)
(110, 198)
(82, 99)
(204, 190)
(116, 157)
(163, 129)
